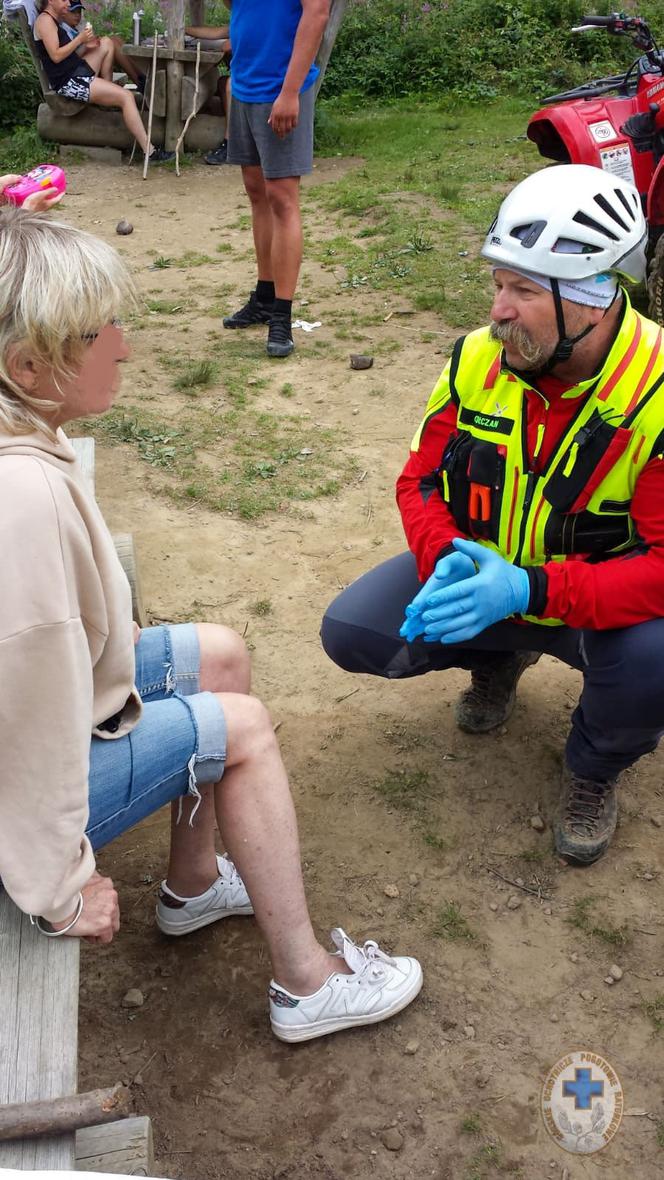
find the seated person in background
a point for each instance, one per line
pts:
(217, 37)
(74, 77)
(70, 23)
(105, 723)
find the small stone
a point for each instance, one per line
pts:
(609, 979)
(124, 227)
(547, 910)
(252, 381)
(359, 360)
(469, 1031)
(493, 906)
(655, 821)
(519, 880)
(615, 972)
(648, 877)
(391, 891)
(411, 1048)
(392, 1139)
(380, 911)
(537, 823)
(482, 1078)
(574, 958)
(513, 902)
(586, 995)
(138, 1080)
(413, 879)
(554, 1018)
(134, 998)
(344, 1135)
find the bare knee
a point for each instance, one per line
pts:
(225, 662)
(249, 728)
(283, 200)
(255, 187)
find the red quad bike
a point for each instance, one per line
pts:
(617, 123)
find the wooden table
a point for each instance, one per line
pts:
(175, 83)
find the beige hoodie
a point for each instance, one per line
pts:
(66, 666)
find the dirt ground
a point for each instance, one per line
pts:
(459, 1074)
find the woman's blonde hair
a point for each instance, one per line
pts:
(58, 286)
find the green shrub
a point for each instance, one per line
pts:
(473, 48)
(19, 86)
(24, 150)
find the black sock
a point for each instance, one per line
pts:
(283, 307)
(265, 291)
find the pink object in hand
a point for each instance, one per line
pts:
(41, 177)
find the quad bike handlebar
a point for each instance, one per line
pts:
(619, 24)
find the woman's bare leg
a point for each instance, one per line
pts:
(192, 865)
(107, 94)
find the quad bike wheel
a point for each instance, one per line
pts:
(656, 282)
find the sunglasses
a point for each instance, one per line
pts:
(90, 337)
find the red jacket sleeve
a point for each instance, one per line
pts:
(623, 590)
(428, 524)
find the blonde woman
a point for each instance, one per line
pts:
(75, 77)
(100, 726)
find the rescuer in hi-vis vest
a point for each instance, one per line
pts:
(533, 498)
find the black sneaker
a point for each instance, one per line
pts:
(254, 312)
(586, 818)
(160, 156)
(219, 155)
(492, 694)
(280, 336)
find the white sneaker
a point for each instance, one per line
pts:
(378, 987)
(226, 898)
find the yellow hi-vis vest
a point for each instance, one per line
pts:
(580, 501)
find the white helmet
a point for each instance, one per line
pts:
(569, 222)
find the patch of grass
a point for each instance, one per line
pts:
(287, 389)
(582, 918)
(654, 1010)
(165, 306)
(196, 375)
(161, 262)
(451, 924)
(192, 258)
(224, 248)
(404, 790)
(470, 1125)
(19, 151)
(261, 608)
(660, 1133)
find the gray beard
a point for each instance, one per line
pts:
(509, 333)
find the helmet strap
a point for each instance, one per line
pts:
(563, 350)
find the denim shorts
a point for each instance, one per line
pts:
(178, 745)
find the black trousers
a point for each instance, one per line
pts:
(620, 714)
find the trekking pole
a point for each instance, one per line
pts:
(152, 85)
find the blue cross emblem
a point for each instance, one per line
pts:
(583, 1089)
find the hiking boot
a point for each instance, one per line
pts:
(160, 156)
(492, 694)
(378, 988)
(280, 335)
(254, 312)
(219, 155)
(226, 898)
(586, 818)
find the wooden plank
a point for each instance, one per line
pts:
(124, 1148)
(337, 9)
(85, 453)
(39, 1043)
(124, 547)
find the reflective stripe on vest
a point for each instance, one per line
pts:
(580, 501)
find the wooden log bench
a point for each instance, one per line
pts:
(39, 980)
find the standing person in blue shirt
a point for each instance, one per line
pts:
(271, 136)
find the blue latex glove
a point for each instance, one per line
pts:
(459, 612)
(452, 568)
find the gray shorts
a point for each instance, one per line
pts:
(252, 141)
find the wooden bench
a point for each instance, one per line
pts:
(39, 980)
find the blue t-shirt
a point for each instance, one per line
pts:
(262, 35)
